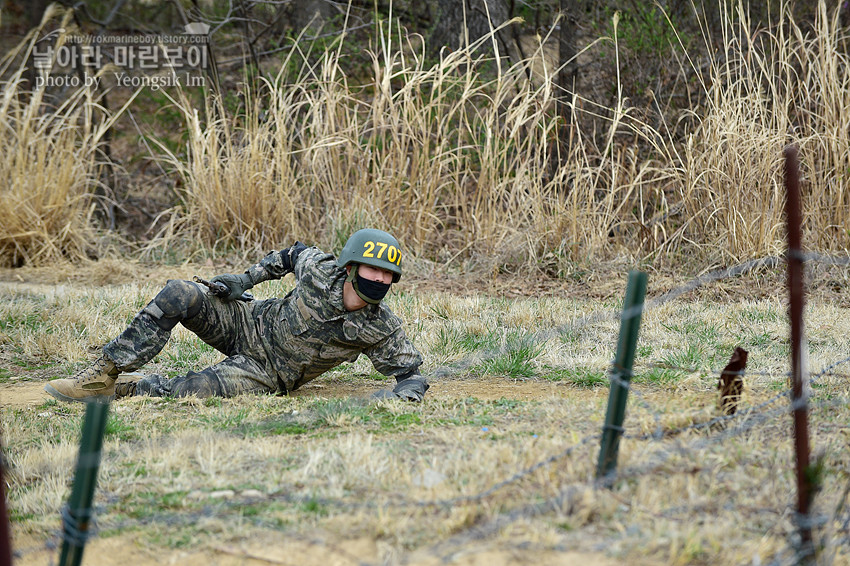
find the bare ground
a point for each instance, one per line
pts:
(30, 393)
(121, 551)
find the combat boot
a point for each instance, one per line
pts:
(95, 383)
(125, 386)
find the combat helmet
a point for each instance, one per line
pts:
(374, 247)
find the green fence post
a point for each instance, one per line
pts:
(621, 375)
(78, 513)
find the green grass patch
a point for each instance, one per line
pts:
(691, 357)
(517, 362)
(29, 365)
(147, 504)
(176, 538)
(329, 412)
(118, 428)
(332, 414)
(314, 507)
(392, 422)
(579, 376)
(17, 516)
(225, 419)
(659, 376)
(456, 340)
(274, 427)
(24, 322)
(48, 404)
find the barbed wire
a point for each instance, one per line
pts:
(715, 429)
(542, 336)
(749, 419)
(817, 257)
(724, 425)
(632, 472)
(615, 379)
(746, 420)
(753, 415)
(825, 372)
(640, 310)
(447, 548)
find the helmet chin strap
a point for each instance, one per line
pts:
(370, 291)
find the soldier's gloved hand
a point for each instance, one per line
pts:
(411, 389)
(290, 256)
(237, 284)
(384, 394)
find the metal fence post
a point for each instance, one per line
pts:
(799, 403)
(76, 516)
(5, 530)
(621, 375)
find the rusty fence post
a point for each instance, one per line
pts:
(5, 527)
(799, 402)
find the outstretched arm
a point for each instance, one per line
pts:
(396, 356)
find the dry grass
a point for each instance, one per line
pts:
(418, 481)
(768, 88)
(458, 157)
(459, 165)
(52, 161)
(439, 154)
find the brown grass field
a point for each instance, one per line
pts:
(497, 466)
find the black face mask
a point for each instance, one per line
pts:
(370, 291)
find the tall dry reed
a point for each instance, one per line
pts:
(769, 87)
(459, 156)
(50, 164)
(458, 161)
(450, 160)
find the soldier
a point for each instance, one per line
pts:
(333, 314)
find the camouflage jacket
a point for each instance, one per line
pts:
(309, 331)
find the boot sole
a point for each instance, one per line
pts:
(92, 399)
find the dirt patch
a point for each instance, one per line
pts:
(21, 394)
(123, 550)
(486, 389)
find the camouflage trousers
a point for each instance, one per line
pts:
(229, 327)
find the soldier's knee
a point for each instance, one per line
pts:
(203, 384)
(153, 385)
(200, 384)
(177, 301)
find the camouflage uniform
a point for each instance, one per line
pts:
(274, 345)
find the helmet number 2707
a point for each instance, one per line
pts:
(393, 254)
